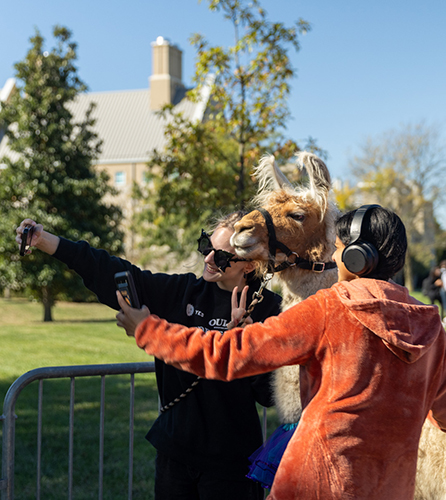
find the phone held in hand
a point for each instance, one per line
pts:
(27, 234)
(125, 285)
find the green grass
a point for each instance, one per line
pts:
(81, 334)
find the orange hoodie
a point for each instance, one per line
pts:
(372, 366)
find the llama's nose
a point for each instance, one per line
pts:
(240, 229)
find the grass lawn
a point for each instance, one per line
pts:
(80, 334)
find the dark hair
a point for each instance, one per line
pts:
(386, 232)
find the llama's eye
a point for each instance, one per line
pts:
(298, 217)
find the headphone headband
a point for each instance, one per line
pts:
(360, 257)
(356, 225)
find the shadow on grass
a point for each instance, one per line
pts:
(55, 438)
(88, 320)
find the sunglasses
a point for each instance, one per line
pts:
(222, 258)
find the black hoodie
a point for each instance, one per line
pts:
(216, 427)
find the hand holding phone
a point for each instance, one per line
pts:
(27, 234)
(125, 285)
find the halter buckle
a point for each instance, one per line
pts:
(318, 267)
(292, 264)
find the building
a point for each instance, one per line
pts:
(127, 122)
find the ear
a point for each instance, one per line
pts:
(269, 175)
(249, 266)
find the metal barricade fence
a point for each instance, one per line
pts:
(72, 372)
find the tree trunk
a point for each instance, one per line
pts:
(408, 273)
(47, 300)
(240, 192)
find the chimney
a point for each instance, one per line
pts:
(166, 73)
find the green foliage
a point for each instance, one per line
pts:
(344, 196)
(49, 175)
(206, 167)
(186, 185)
(252, 79)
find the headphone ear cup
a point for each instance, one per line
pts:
(360, 258)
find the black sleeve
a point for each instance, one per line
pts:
(97, 269)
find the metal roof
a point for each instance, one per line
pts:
(129, 129)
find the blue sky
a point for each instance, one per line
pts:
(365, 67)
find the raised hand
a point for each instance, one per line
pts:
(238, 310)
(129, 317)
(32, 238)
(43, 240)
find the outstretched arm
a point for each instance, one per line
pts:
(258, 348)
(43, 240)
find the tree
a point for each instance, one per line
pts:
(400, 170)
(252, 80)
(343, 195)
(185, 184)
(207, 166)
(48, 175)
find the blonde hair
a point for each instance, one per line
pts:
(226, 221)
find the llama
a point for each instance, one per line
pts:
(430, 483)
(304, 220)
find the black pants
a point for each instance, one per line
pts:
(177, 481)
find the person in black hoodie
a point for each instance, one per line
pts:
(203, 442)
(431, 287)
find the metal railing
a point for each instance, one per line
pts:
(72, 372)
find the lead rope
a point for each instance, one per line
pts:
(257, 297)
(181, 396)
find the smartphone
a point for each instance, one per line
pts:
(125, 285)
(27, 233)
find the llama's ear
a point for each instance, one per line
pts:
(317, 171)
(318, 175)
(269, 175)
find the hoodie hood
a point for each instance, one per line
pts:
(406, 326)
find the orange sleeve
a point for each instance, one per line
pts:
(289, 338)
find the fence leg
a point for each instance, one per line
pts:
(131, 434)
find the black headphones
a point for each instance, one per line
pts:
(359, 256)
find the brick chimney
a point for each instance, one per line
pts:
(166, 73)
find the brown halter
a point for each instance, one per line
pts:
(274, 245)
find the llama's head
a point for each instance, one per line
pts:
(303, 217)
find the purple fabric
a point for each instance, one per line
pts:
(266, 459)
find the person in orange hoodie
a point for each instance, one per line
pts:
(373, 364)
